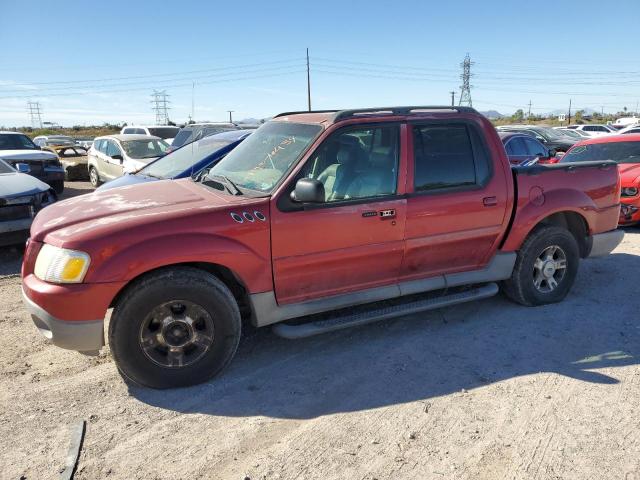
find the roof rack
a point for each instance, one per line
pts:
(284, 114)
(343, 114)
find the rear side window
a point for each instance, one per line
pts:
(449, 156)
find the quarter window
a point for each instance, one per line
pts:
(448, 156)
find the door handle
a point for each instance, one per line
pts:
(490, 201)
(391, 213)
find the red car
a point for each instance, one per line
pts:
(625, 151)
(316, 212)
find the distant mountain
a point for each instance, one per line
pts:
(249, 121)
(492, 114)
(560, 111)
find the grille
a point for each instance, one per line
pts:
(16, 212)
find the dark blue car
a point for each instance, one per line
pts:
(185, 161)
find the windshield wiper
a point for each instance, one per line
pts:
(231, 187)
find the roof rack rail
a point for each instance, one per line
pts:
(343, 114)
(284, 114)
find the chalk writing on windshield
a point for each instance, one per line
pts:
(281, 146)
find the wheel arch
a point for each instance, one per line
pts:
(223, 273)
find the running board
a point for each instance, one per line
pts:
(346, 321)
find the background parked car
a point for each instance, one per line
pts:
(18, 148)
(188, 160)
(522, 149)
(577, 134)
(73, 160)
(21, 197)
(593, 130)
(166, 133)
(630, 129)
(85, 142)
(625, 151)
(550, 138)
(196, 131)
(50, 140)
(114, 155)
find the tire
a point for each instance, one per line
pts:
(532, 281)
(94, 177)
(145, 315)
(58, 186)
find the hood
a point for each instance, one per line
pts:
(16, 184)
(18, 155)
(123, 208)
(124, 180)
(629, 173)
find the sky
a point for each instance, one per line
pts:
(88, 64)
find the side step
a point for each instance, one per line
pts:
(352, 320)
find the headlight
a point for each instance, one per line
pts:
(629, 191)
(60, 265)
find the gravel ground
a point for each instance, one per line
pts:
(484, 390)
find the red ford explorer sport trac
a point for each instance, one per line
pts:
(308, 226)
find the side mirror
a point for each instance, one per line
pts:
(23, 168)
(308, 190)
(117, 156)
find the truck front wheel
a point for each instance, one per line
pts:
(174, 328)
(545, 268)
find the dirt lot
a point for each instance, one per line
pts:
(485, 390)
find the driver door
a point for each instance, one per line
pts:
(354, 240)
(114, 167)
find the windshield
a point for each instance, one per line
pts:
(548, 133)
(619, 152)
(144, 148)
(163, 132)
(571, 133)
(12, 141)
(261, 161)
(5, 168)
(184, 158)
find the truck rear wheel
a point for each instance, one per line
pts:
(545, 269)
(174, 328)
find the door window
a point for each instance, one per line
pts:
(112, 149)
(357, 163)
(535, 149)
(448, 156)
(516, 147)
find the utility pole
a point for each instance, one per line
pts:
(569, 113)
(193, 102)
(308, 83)
(230, 117)
(465, 88)
(35, 114)
(159, 99)
(529, 114)
(453, 102)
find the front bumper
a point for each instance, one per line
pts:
(83, 336)
(604, 243)
(629, 212)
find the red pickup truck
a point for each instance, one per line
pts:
(318, 221)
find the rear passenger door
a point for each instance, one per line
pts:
(457, 208)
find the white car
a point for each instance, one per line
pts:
(630, 129)
(112, 156)
(593, 130)
(167, 133)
